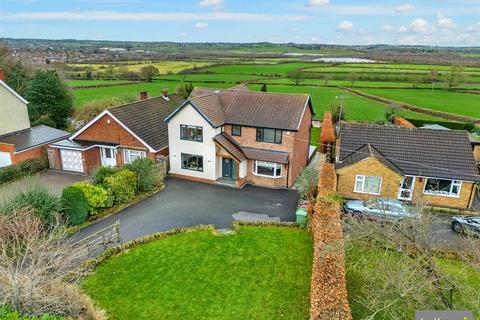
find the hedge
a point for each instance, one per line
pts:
(96, 196)
(22, 169)
(122, 186)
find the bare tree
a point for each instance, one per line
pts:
(454, 76)
(38, 269)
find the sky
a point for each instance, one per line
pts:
(346, 22)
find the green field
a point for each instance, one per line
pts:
(356, 108)
(76, 83)
(267, 70)
(233, 78)
(257, 273)
(426, 67)
(454, 102)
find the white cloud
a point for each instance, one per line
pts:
(402, 29)
(345, 26)
(293, 29)
(387, 27)
(183, 34)
(474, 28)
(213, 3)
(152, 16)
(421, 26)
(406, 8)
(444, 22)
(315, 39)
(201, 25)
(317, 3)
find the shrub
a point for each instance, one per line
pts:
(43, 204)
(9, 173)
(96, 196)
(75, 204)
(122, 185)
(101, 174)
(307, 183)
(22, 169)
(148, 175)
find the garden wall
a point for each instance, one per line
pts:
(328, 293)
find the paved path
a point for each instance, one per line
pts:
(186, 203)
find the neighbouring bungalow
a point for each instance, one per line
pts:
(236, 136)
(18, 140)
(118, 136)
(435, 167)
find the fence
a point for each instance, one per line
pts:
(100, 240)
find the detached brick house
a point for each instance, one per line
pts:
(117, 136)
(18, 140)
(235, 136)
(435, 167)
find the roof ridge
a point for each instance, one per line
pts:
(393, 127)
(140, 101)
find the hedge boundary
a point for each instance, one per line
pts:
(328, 292)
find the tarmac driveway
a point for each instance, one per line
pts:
(186, 203)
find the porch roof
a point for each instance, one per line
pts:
(231, 146)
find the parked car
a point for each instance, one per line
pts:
(380, 208)
(469, 225)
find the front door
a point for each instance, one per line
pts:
(108, 157)
(227, 168)
(406, 188)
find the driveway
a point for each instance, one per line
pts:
(186, 203)
(54, 181)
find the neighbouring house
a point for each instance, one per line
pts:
(18, 140)
(236, 136)
(435, 167)
(118, 136)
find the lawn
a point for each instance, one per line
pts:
(454, 102)
(362, 261)
(315, 136)
(356, 108)
(258, 273)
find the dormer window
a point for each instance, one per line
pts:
(191, 133)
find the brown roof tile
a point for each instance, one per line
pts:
(266, 155)
(226, 142)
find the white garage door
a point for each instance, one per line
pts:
(71, 160)
(5, 159)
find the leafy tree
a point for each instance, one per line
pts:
(49, 99)
(296, 76)
(147, 72)
(264, 88)
(454, 76)
(184, 89)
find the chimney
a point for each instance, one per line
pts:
(143, 95)
(165, 94)
(2, 75)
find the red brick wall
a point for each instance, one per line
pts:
(55, 160)
(91, 160)
(38, 152)
(299, 156)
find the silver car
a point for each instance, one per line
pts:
(468, 225)
(380, 208)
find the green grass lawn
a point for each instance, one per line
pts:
(356, 108)
(361, 261)
(315, 136)
(258, 273)
(454, 102)
(76, 82)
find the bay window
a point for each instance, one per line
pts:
(442, 187)
(268, 169)
(368, 184)
(192, 162)
(131, 155)
(191, 133)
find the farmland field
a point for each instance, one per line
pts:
(75, 83)
(209, 77)
(163, 66)
(276, 69)
(454, 102)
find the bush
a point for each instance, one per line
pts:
(22, 169)
(75, 205)
(101, 174)
(307, 183)
(44, 205)
(148, 175)
(122, 185)
(9, 173)
(96, 196)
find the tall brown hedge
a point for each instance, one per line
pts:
(328, 295)
(327, 136)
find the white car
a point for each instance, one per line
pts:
(380, 208)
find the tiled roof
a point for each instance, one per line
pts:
(226, 142)
(35, 136)
(364, 152)
(146, 118)
(249, 108)
(266, 155)
(417, 152)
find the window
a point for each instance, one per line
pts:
(441, 187)
(236, 130)
(269, 135)
(365, 184)
(131, 155)
(191, 133)
(192, 162)
(268, 169)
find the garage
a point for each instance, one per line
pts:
(71, 160)
(5, 159)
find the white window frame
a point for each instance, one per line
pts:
(275, 167)
(361, 178)
(458, 183)
(127, 155)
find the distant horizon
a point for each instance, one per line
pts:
(445, 23)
